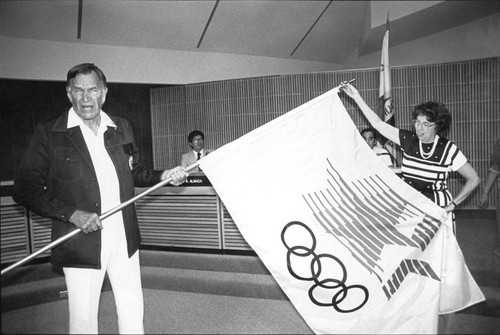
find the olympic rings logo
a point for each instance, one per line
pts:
(338, 286)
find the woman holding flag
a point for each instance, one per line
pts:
(428, 158)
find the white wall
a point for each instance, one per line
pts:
(49, 60)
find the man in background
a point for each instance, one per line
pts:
(196, 140)
(368, 135)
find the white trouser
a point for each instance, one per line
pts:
(85, 285)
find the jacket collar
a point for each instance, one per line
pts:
(61, 124)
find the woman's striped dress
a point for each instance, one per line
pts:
(426, 166)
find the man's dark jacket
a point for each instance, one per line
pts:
(57, 177)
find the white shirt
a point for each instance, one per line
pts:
(202, 151)
(107, 177)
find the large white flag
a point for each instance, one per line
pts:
(355, 249)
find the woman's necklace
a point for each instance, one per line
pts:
(426, 155)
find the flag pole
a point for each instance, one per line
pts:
(101, 217)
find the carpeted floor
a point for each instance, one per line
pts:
(171, 312)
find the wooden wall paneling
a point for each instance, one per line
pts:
(14, 232)
(40, 232)
(179, 221)
(232, 238)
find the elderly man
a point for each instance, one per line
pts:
(78, 166)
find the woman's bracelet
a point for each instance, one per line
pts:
(454, 204)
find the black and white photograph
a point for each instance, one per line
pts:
(250, 167)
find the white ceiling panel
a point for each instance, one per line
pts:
(283, 29)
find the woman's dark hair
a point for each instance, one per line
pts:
(85, 68)
(435, 112)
